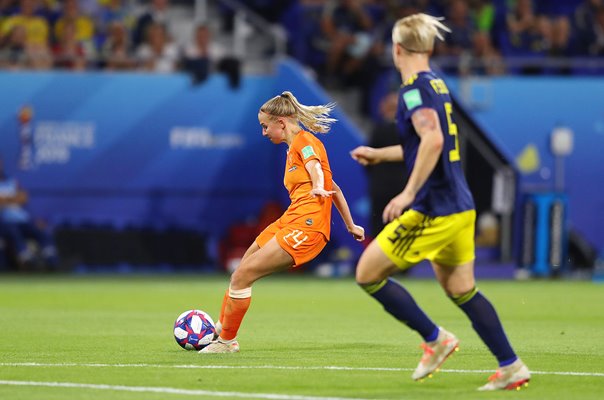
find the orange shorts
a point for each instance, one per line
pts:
(301, 244)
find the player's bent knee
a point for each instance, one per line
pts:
(242, 277)
(464, 297)
(362, 274)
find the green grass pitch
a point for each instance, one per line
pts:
(97, 337)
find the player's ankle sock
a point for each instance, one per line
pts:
(224, 302)
(237, 305)
(398, 302)
(486, 323)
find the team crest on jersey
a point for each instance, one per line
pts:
(412, 99)
(309, 222)
(307, 152)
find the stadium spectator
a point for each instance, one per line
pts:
(483, 15)
(585, 17)
(36, 27)
(433, 217)
(596, 47)
(528, 36)
(68, 51)
(300, 234)
(458, 44)
(203, 56)
(346, 26)
(36, 34)
(110, 11)
(156, 13)
(83, 27)
(482, 59)
(462, 28)
(553, 19)
(116, 52)
(13, 49)
(18, 227)
(158, 53)
(198, 55)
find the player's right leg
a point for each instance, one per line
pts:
(373, 271)
(251, 250)
(458, 282)
(268, 259)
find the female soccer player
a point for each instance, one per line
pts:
(302, 231)
(438, 223)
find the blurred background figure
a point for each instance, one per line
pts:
(28, 241)
(203, 56)
(13, 49)
(81, 32)
(156, 12)
(385, 180)
(346, 26)
(68, 51)
(37, 34)
(157, 53)
(116, 52)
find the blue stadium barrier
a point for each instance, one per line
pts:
(154, 151)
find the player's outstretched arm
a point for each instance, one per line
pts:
(366, 155)
(342, 205)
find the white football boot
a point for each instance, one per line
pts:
(510, 377)
(435, 353)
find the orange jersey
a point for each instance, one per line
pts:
(311, 213)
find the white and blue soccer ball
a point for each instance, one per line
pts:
(194, 329)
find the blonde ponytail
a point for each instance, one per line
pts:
(314, 118)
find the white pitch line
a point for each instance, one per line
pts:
(279, 367)
(168, 390)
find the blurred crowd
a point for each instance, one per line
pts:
(345, 40)
(489, 37)
(115, 35)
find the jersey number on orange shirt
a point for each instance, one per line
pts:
(295, 236)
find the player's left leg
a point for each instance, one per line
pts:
(268, 259)
(401, 244)
(251, 250)
(459, 284)
(373, 271)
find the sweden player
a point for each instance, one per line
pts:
(438, 223)
(303, 230)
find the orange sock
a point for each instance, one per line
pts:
(234, 311)
(224, 302)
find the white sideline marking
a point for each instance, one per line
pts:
(189, 392)
(320, 368)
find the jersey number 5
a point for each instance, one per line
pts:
(453, 154)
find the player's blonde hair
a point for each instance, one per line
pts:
(416, 32)
(314, 118)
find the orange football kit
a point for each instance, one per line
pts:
(303, 230)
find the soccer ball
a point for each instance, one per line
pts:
(194, 330)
